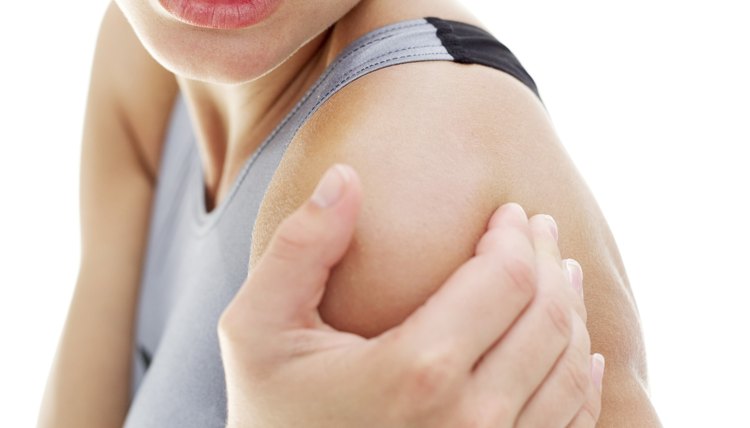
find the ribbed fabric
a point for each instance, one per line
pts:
(196, 261)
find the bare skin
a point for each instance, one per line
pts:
(484, 127)
(502, 343)
(129, 101)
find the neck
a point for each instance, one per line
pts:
(231, 121)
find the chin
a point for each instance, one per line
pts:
(216, 56)
(230, 56)
(220, 65)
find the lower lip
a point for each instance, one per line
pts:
(221, 14)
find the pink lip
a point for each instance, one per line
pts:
(221, 14)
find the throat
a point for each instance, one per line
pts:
(231, 122)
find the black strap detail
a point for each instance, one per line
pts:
(469, 44)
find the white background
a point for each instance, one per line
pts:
(650, 98)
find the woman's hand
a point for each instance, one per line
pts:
(502, 343)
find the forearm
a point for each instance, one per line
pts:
(88, 385)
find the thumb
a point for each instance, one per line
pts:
(284, 289)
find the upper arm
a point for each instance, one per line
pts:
(425, 203)
(434, 165)
(88, 384)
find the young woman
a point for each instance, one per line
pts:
(211, 121)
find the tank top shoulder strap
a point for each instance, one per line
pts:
(424, 39)
(427, 39)
(469, 44)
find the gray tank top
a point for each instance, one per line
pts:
(196, 260)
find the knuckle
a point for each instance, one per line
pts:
(522, 275)
(581, 341)
(580, 309)
(559, 315)
(565, 292)
(429, 377)
(291, 238)
(232, 329)
(239, 346)
(234, 325)
(590, 412)
(576, 378)
(431, 372)
(489, 414)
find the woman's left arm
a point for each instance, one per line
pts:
(434, 165)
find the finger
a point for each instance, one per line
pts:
(518, 364)
(545, 223)
(589, 413)
(520, 361)
(566, 388)
(575, 279)
(478, 303)
(285, 287)
(544, 234)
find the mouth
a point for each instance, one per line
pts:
(221, 14)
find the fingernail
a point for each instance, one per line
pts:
(552, 225)
(331, 186)
(575, 274)
(516, 208)
(597, 370)
(507, 209)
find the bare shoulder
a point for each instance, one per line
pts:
(439, 146)
(432, 143)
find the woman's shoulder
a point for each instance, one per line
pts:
(438, 147)
(441, 113)
(445, 97)
(434, 144)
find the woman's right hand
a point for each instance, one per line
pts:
(502, 343)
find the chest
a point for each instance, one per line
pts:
(195, 262)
